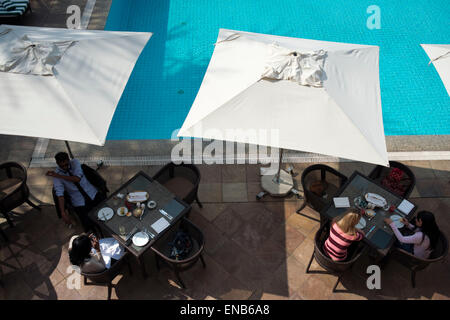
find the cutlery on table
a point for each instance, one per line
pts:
(165, 214)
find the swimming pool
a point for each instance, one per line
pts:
(170, 70)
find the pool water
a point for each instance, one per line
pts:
(170, 70)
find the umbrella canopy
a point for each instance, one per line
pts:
(440, 57)
(61, 83)
(327, 101)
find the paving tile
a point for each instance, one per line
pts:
(304, 251)
(210, 173)
(233, 173)
(287, 237)
(228, 221)
(314, 289)
(303, 224)
(214, 237)
(234, 192)
(292, 272)
(210, 192)
(211, 211)
(112, 175)
(441, 168)
(421, 169)
(428, 188)
(253, 173)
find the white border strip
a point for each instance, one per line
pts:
(241, 159)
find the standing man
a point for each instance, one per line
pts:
(69, 177)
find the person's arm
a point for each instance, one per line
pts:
(59, 191)
(416, 238)
(53, 174)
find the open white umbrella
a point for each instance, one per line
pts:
(64, 84)
(440, 57)
(321, 97)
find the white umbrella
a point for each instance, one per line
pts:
(331, 106)
(64, 84)
(440, 57)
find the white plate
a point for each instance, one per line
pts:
(105, 214)
(151, 204)
(140, 239)
(361, 224)
(125, 211)
(396, 219)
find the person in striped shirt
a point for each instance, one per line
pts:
(342, 234)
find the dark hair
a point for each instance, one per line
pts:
(81, 249)
(61, 156)
(429, 227)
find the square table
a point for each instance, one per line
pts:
(378, 234)
(158, 193)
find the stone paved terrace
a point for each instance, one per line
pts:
(254, 250)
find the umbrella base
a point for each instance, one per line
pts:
(275, 188)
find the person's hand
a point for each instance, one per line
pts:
(65, 216)
(404, 221)
(388, 221)
(94, 242)
(51, 173)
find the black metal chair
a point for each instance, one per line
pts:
(162, 251)
(407, 183)
(416, 264)
(106, 277)
(182, 180)
(337, 268)
(13, 188)
(320, 183)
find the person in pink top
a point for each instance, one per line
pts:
(342, 234)
(425, 237)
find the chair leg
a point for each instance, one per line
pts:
(8, 218)
(33, 205)
(309, 264)
(413, 278)
(198, 202)
(4, 235)
(109, 290)
(337, 282)
(302, 206)
(177, 274)
(203, 261)
(157, 262)
(85, 281)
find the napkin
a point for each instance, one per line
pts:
(110, 248)
(137, 196)
(160, 225)
(405, 207)
(341, 202)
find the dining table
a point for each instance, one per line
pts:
(378, 235)
(137, 231)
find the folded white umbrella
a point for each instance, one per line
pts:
(440, 57)
(64, 84)
(321, 97)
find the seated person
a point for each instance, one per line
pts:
(425, 237)
(92, 255)
(342, 234)
(69, 177)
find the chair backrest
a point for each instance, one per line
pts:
(187, 171)
(408, 183)
(326, 262)
(95, 178)
(411, 261)
(199, 244)
(331, 178)
(14, 198)
(109, 274)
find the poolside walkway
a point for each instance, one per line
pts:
(254, 250)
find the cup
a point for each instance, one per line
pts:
(392, 208)
(122, 230)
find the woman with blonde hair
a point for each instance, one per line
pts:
(342, 234)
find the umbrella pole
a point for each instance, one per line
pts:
(68, 149)
(278, 184)
(277, 177)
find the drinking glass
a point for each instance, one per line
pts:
(122, 230)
